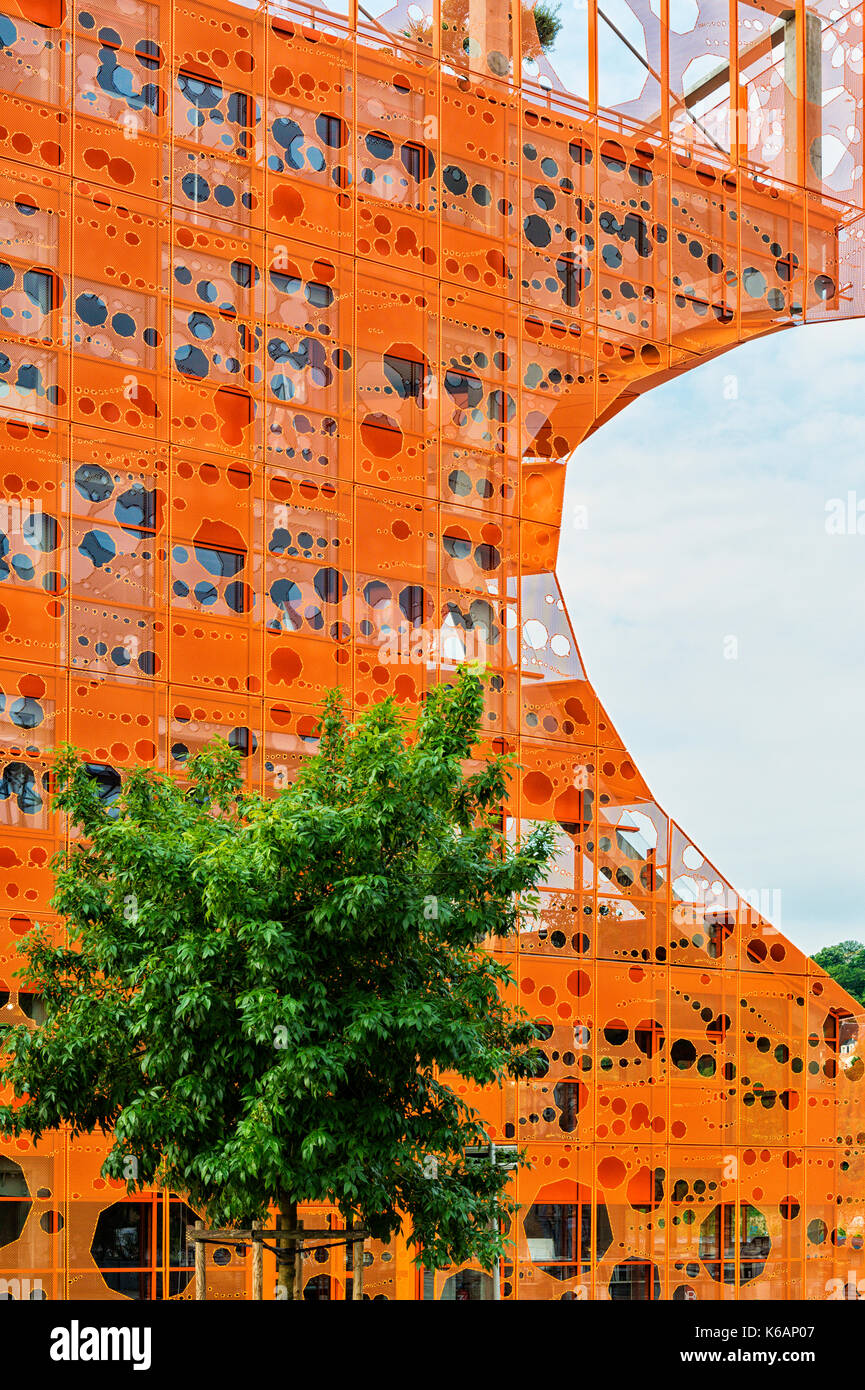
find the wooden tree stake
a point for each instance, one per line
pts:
(257, 1266)
(200, 1266)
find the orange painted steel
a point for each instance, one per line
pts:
(303, 312)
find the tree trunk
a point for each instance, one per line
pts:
(354, 1261)
(285, 1277)
(257, 1266)
(357, 1270)
(200, 1265)
(298, 1265)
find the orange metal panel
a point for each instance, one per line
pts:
(299, 325)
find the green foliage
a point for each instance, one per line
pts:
(540, 27)
(261, 1001)
(547, 23)
(846, 964)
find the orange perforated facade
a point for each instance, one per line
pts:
(303, 313)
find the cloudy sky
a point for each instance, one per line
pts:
(707, 521)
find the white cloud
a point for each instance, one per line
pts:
(707, 519)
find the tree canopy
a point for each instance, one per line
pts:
(263, 1001)
(547, 24)
(540, 26)
(845, 962)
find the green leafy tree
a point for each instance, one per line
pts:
(261, 1001)
(540, 26)
(547, 24)
(846, 964)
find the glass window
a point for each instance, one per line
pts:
(718, 1243)
(468, 1286)
(635, 1281)
(128, 1247)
